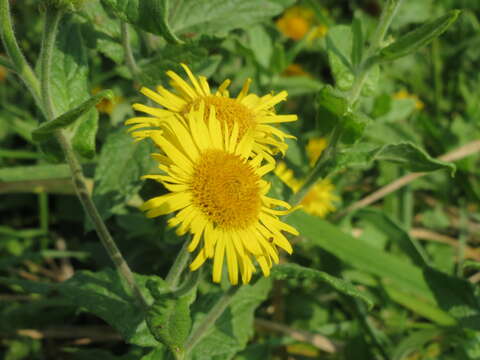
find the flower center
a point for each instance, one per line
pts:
(228, 111)
(225, 188)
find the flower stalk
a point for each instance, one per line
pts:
(386, 18)
(52, 19)
(17, 59)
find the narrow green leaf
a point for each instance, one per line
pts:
(45, 130)
(286, 271)
(418, 38)
(235, 327)
(339, 48)
(414, 342)
(409, 155)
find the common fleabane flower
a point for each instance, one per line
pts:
(218, 195)
(250, 113)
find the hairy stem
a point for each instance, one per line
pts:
(52, 19)
(388, 13)
(18, 61)
(50, 30)
(129, 59)
(179, 264)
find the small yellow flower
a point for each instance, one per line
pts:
(217, 194)
(297, 22)
(319, 200)
(106, 105)
(404, 94)
(250, 113)
(314, 149)
(3, 73)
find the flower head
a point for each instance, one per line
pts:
(319, 201)
(297, 22)
(248, 112)
(217, 194)
(314, 149)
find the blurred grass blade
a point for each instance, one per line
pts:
(418, 38)
(44, 131)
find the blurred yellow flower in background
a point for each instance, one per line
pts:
(298, 22)
(404, 94)
(319, 201)
(314, 149)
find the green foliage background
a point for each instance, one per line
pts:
(395, 280)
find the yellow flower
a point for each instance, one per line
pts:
(106, 106)
(297, 21)
(250, 113)
(404, 94)
(218, 194)
(318, 201)
(315, 147)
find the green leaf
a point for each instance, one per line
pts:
(117, 177)
(456, 296)
(168, 318)
(102, 32)
(261, 45)
(148, 15)
(219, 17)
(83, 141)
(286, 271)
(194, 54)
(45, 130)
(418, 38)
(392, 270)
(103, 294)
(409, 155)
(69, 87)
(354, 125)
(395, 233)
(339, 48)
(331, 107)
(414, 342)
(235, 327)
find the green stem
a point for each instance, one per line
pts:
(89, 206)
(388, 13)
(51, 24)
(52, 19)
(179, 264)
(209, 320)
(15, 54)
(129, 59)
